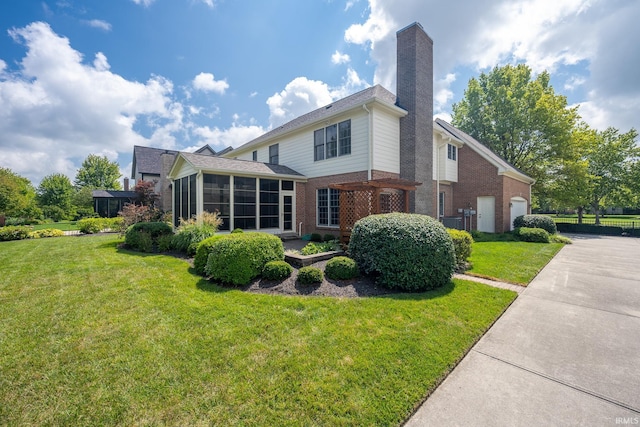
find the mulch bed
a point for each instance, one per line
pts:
(358, 287)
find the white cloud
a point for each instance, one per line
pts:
(299, 96)
(98, 23)
(234, 136)
(207, 83)
(145, 3)
(340, 58)
(49, 124)
(574, 82)
(442, 92)
(209, 3)
(302, 95)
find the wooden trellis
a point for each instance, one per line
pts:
(361, 199)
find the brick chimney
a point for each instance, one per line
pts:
(126, 184)
(414, 90)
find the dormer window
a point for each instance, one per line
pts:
(451, 152)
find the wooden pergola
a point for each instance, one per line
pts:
(363, 198)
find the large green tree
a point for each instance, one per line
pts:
(99, 172)
(17, 195)
(520, 118)
(56, 190)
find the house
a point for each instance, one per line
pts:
(289, 180)
(153, 164)
(107, 203)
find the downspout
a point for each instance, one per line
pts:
(370, 141)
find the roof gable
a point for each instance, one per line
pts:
(504, 167)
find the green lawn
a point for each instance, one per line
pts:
(513, 262)
(92, 335)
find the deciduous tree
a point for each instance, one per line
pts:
(520, 118)
(99, 172)
(17, 195)
(56, 190)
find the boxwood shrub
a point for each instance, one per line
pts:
(536, 235)
(146, 236)
(462, 242)
(409, 252)
(203, 250)
(239, 258)
(341, 268)
(536, 221)
(309, 275)
(276, 270)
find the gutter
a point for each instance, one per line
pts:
(370, 142)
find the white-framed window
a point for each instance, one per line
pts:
(332, 141)
(255, 155)
(328, 207)
(274, 156)
(452, 152)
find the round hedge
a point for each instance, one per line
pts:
(536, 221)
(462, 242)
(310, 275)
(341, 268)
(203, 250)
(145, 236)
(238, 258)
(409, 252)
(276, 270)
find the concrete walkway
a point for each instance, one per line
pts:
(567, 351)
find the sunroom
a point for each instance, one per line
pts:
(245, 194)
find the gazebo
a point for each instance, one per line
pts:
(363, 198)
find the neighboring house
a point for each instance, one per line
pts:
(153, 164)
(282, 181)
(107, 203)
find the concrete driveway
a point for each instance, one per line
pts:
(567, 351)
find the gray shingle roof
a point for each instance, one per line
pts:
(147, 160)
(114, 193)
(357, 99)
(203, 162)
(479, 147)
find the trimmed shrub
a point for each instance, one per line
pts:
(46, 232)
(237, 230)
(114, 224)
(145, 236)
(310, 275)
(165, 242)
(91, 225)
(535, 235)
(536, 221)
(409, 252)
(462, 242)
(315, 237)
(55, 213)
(239, 258)
(341, 268)
(14, 232)
(203, 250)
(329, 238)
(313, 248)
(276, 270)
(559, 238)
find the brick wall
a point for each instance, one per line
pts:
(306, 197)
(477, 177)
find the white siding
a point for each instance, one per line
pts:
(446, 170)
(184, 169)
(386, 134)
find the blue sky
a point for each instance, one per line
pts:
(97, 77)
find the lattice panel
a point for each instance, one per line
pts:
(353, 206)
(392, 202)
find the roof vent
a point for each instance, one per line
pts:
(328, 106)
